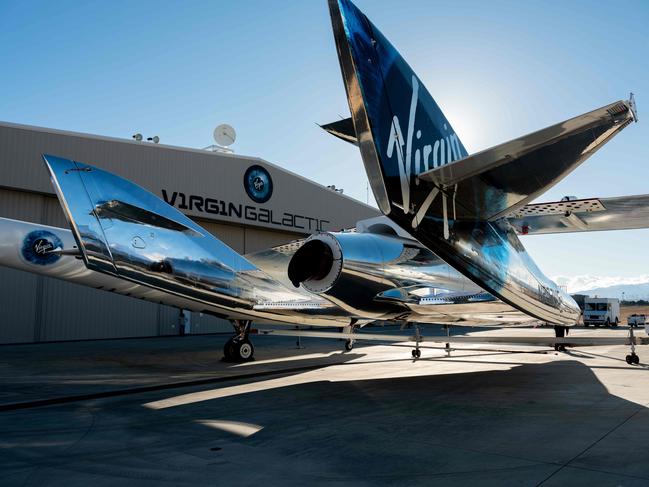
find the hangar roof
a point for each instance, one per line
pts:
(209, 185)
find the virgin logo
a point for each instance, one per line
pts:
(443, 150)
(42, 246)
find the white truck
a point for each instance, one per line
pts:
(601, 311)
(637, 320)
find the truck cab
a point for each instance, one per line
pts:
(601, 311)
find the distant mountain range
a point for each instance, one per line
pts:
(630, 288)
(630, 292)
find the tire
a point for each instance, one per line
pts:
(629, 360)
(607, 324)
(229, 350)
(616, 322)
(349, 345)
(635, 358)
(238, 351)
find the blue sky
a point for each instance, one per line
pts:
(498, 69)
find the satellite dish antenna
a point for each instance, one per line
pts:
(224, 135)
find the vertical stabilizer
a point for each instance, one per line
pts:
(401, 131)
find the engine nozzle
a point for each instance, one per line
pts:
(312, 262)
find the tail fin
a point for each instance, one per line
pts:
(125, 231)
(401, 131)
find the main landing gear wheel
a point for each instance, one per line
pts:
(238, 350)
(416, 353)
(349, 345)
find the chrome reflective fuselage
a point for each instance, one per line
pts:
(371, 275)
(414, 268)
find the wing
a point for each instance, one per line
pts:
(586, 215)
(468, 308)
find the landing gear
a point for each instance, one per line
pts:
(447, 347)
(416, 353)
(632, 358)
(239, 348)
(349, 343)
(560, 332)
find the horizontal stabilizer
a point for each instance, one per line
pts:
(343, 129)
(587, 215)
(500, 180)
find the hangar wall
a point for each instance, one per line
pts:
(39, 309)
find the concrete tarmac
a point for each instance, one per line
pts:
(372, 416)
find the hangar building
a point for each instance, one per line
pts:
(248, 203)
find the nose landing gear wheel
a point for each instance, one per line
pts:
(632, 359)
(416, 353)
(349, 345)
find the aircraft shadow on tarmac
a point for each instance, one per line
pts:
(529, 422)
(552, 421)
